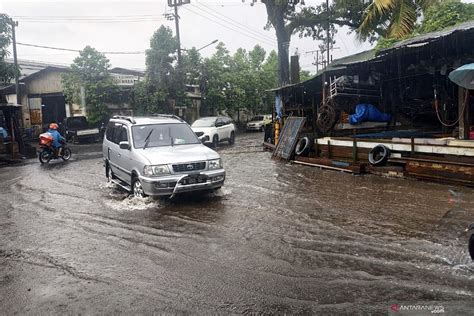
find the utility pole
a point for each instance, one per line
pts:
(14, 24)
(176, 4)
(176, 22)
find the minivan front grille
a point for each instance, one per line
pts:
(192, 166)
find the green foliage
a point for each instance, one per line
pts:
(446, 14)
(238, 82)
(7, 71)
(385, 43)
(392, 18)
(90, 71)
(161, 80)
(436, 18)
(305, 75)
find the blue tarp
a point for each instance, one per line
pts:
(368, 113)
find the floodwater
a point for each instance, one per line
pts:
(278, 238)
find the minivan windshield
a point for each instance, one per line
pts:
(205, 122)
(163, 135)
(258, 118)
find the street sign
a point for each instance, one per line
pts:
(175, 3)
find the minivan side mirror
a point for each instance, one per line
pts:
(124, 145)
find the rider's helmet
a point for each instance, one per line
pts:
(53, 126)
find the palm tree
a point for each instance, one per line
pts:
(392, 18)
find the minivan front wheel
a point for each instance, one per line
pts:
(138, 189)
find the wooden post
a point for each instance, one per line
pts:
(463, 112)
(412, 150)
(354, 149)
(329, 149)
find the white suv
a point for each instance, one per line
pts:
(214, 129)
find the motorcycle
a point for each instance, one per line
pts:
(47, 152)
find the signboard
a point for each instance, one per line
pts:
(175, 3)
(289, 137)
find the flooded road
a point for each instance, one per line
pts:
(278, 238)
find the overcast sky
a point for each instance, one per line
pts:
(128, 25)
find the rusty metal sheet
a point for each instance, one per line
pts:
(289, 137)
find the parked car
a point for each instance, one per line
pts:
(77, 128)
(214, 129)
(159, 156)
(259, 122)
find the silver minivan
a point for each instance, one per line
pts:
(159, 156)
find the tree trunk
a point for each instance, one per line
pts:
(277, 19)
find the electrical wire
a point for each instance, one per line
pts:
(229, 27)
(77, 50)
(88, 19)
(232, 21)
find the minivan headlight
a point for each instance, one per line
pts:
(157, 170)
(215, 164)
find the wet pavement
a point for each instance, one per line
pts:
(278, 238)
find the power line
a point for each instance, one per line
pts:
(77, 50)
(234, 22)
(89, 19)
(230, 27)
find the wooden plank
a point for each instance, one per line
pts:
(430, 149)
(333, 163)
(324, 166)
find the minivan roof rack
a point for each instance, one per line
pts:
(169, 116)
(127, 118)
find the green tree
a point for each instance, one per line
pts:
(8, 71)
(294, 16)
(214, 80)
(392, 18)
(446, 14)
(191, 65)
(153, 95)
(90, 71)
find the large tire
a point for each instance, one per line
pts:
(215, 141)
(66, 154)
(303, 146)
(232, 138)
(45, 156)
(379, 155)
(138, 189)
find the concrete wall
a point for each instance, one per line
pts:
(47, 82)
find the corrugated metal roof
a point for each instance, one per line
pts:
(424, 39)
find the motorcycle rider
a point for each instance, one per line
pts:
(57, 138)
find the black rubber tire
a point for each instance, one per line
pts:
(379, 155)
(44, 156)
(232, 138)
(215, 141)
(66, 154)
(303, 146)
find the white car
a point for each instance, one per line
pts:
(214, 129)
(259, 122)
